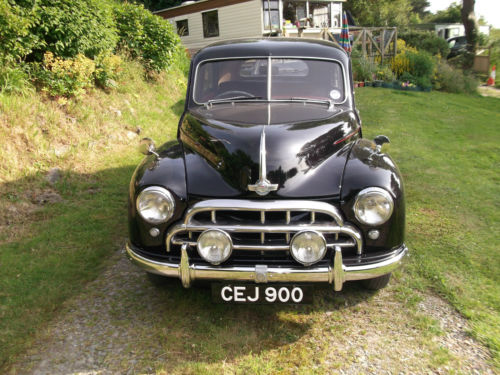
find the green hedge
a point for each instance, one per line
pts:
(66, 28)
(426, 41)
(69, 30)
(146, 36)
(16, 38)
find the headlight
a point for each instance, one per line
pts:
(155, 204)
(215, 246)
(373, 206)
(308, 247)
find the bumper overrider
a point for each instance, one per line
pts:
(336, 273)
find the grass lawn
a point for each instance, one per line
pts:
(49, 251)
(445, 145)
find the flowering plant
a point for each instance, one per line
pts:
(64, 77)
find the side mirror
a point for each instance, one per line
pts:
(147, 147)
(380, 140)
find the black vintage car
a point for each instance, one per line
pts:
(458, 46)
(269, 186)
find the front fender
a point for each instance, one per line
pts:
(167, 171)
(366, 168)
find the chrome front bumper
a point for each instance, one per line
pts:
(336, 273)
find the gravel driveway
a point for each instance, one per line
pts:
(122, 324)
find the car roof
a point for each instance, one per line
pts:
(461, 37)
(282, 47)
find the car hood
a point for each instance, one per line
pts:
(306, 147)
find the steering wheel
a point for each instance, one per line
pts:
(234, 93)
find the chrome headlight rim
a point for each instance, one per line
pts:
(373, 190)
(325, 248)
(165, 194)
(226, 235)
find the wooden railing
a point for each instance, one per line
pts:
(376, 42)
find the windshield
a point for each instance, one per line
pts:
(291, 79)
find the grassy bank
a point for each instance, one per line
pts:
(55, 238)
(445, 145)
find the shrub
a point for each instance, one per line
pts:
(483, 39)
(471, 83)
(146, 36)
(363, 69)
(68, 45)
(426, 41)
(16, 40)
(182, 59)
(407, 77)
(412, 65)
(68, 28)
(384, 73)
(64, 77)
(14, 79)
(107, 70)
(453, 80)
(421, 64)
(401, 62)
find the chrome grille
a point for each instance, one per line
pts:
(264, 225)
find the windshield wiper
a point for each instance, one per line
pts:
(309, 100)
(227, 100)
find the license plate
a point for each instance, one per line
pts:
(261, 293)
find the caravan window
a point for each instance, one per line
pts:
(182, 27)
(210, 24)
(272, 13)
(320, 14)
(294, 11)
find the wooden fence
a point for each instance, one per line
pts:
(376, 42)
(482, 60)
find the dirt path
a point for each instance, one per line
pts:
(122, 324)
(489, 91)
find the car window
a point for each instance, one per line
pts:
(289, 68)
(461, 42)
(307, 78)
(254, 68)
(290, 78)
(230, 78)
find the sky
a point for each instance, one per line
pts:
(489, 9)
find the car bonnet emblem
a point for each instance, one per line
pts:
(263, 186)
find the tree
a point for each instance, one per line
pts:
(380, 12)
(471, 31)
(153, 5)
(419, 7)
(450, 15)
